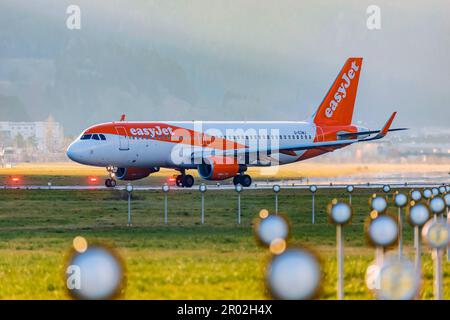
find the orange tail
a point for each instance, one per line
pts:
(336, 108)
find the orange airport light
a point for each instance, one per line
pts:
(93, 179)
(15, 179)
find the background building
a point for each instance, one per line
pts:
(32, 141)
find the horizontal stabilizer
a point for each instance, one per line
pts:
(363, 133)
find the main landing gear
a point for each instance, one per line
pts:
(243, 179)
(184, 180)
(111, 182)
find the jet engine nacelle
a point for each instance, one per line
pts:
(132, 173)
(218, 168)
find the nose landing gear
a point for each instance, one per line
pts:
(111, 182)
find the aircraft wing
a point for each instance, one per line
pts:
(269, 149)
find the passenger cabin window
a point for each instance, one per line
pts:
(95, 137)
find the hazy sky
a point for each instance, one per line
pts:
(221, 60)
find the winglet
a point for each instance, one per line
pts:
(122, 117)
(386, 127)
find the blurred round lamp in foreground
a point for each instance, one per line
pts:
(442, 190)
(399, 280)
(427, 193)
(437, 205)
(418, 214)
(340, 212)
(436, 234)
(379, 204)
(400, 200)
(294, 275)
(447, 199)
(350, 188)
(80, 244)
(264, 213)
(416, 195)
(435, 191)
(383, 231)
(94, 273)
(272, 228)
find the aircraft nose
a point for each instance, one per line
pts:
(73, 153)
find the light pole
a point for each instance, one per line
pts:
(447, 204)
(129, 189)
(340, 213)
(350, 189)
(437, 206)
(202, 188)
(400, 201)
(378, 205)
(416, 196)
(386, 188)
(437, 235)
(382, 232)
(418, 215)
(313, 190)
(276, 188)
(238, 189)
(165, 189)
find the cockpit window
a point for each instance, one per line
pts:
(93, 136)
(86, 137)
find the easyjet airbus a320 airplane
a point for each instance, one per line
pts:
(225, 149)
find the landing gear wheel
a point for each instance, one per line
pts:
(236, 180)
(110, 183)
(188, 181)
(179, 180)
(245, 180)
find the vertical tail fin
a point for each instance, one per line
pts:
(337, 107)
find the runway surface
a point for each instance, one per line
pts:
(212, 187)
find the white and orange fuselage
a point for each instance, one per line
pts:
(224, 149)
(152, 144)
